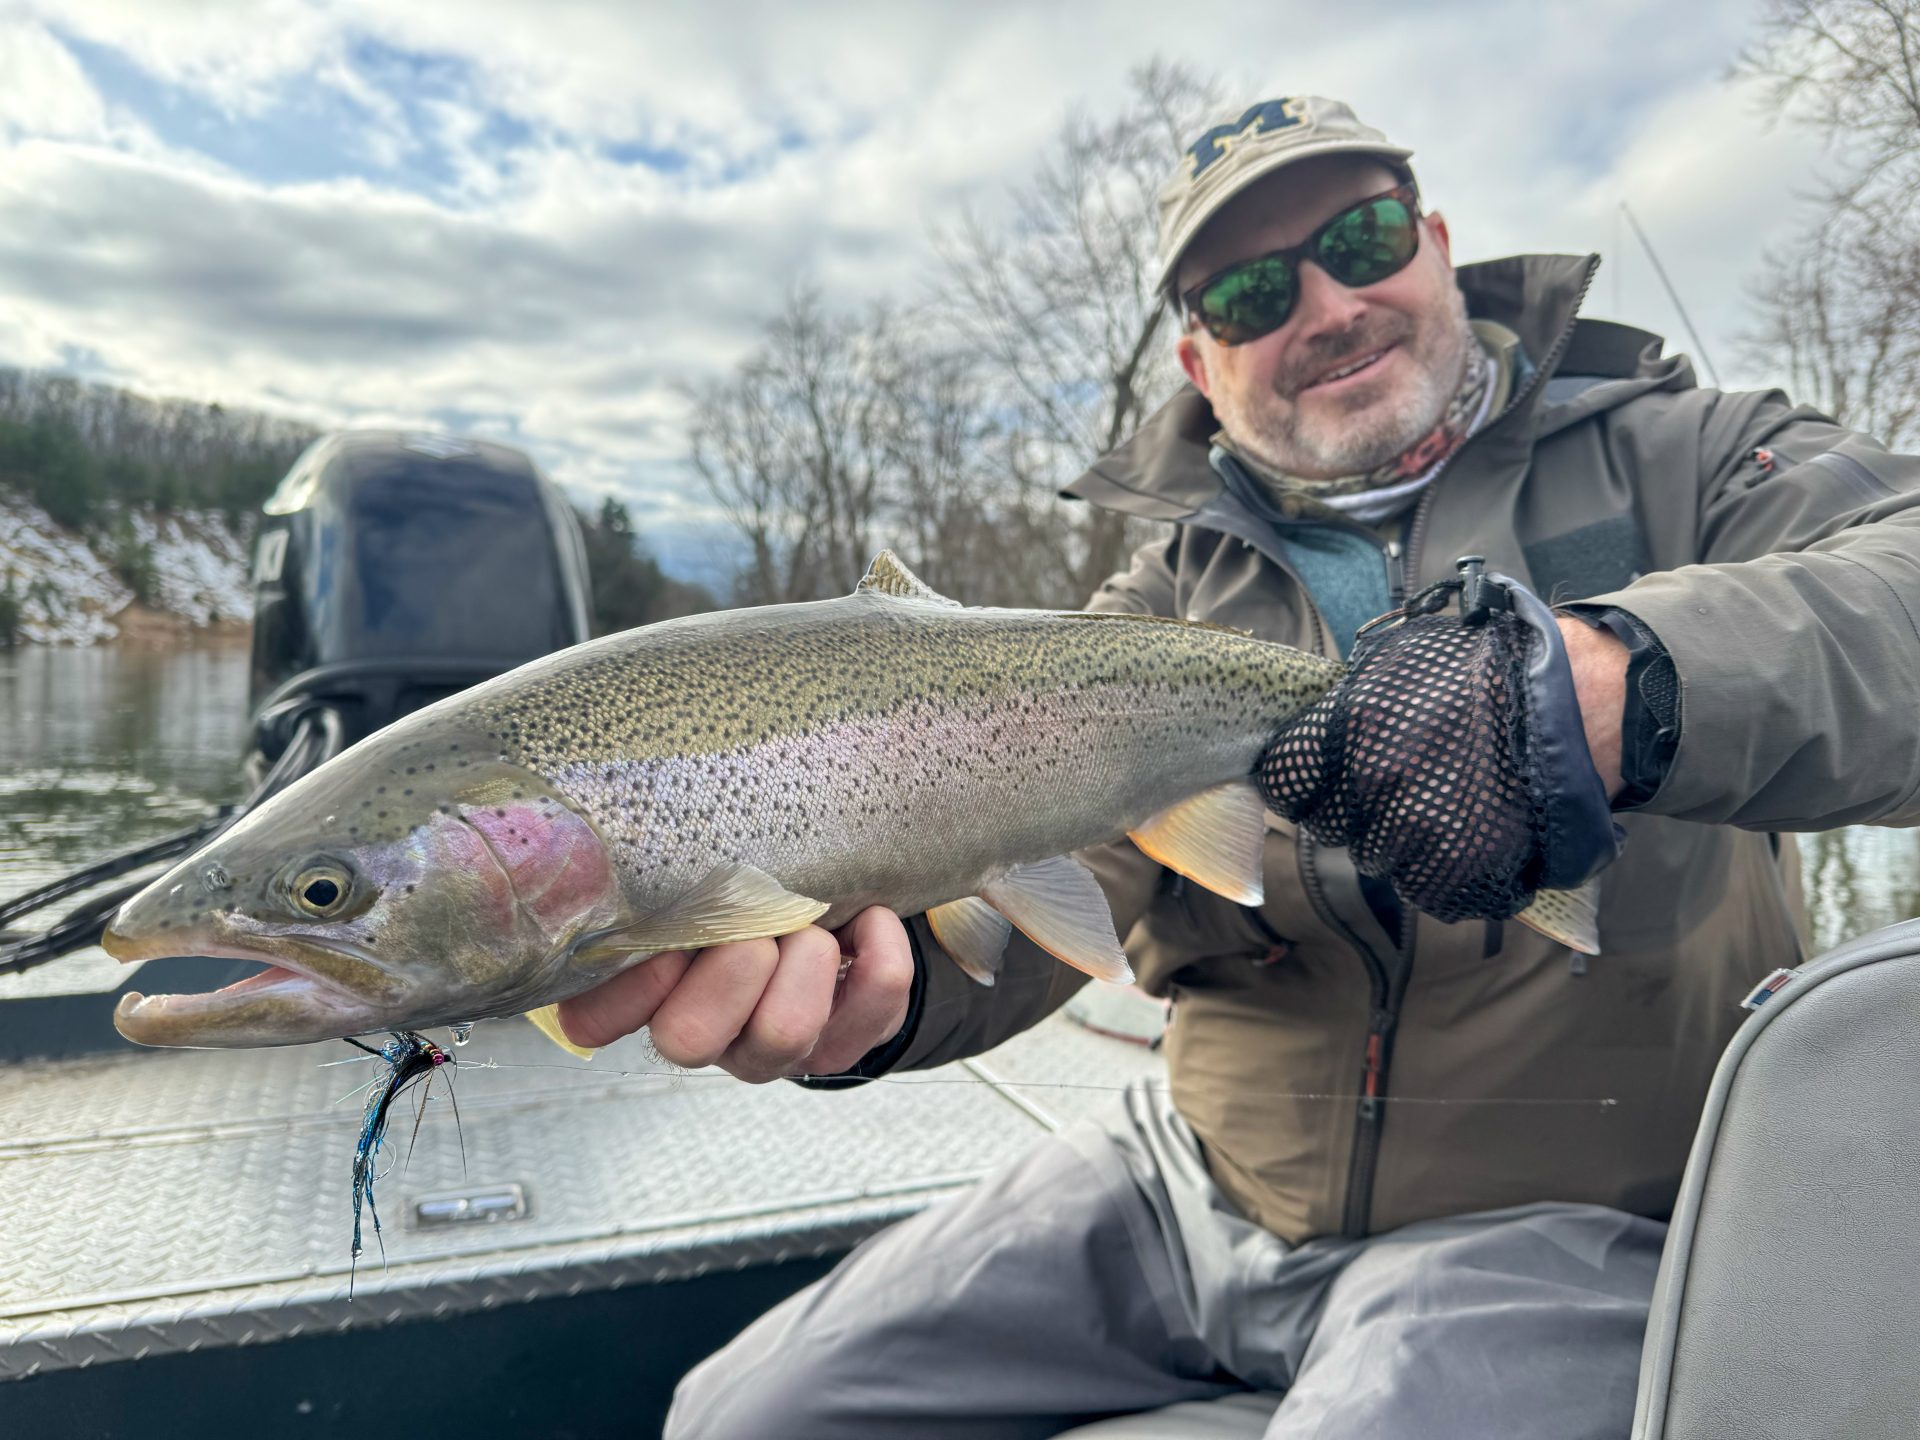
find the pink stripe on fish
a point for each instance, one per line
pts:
(559, 868)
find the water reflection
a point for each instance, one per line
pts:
(101, 749)
(1859, 880)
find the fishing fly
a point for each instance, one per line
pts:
(409, 1057)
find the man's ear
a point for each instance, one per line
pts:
(1193, 362)
(1437, 227)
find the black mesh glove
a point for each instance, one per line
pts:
(1451, 761)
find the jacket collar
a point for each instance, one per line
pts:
(1162, 472)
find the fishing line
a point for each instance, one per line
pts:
(675, 1078)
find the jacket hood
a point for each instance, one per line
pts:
(1162, 472)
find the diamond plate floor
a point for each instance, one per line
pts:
(167, 1200)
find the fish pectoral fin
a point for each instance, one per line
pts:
(887, 576)
(1059, 906)
(547, 1021)
(733, 902)
(1571, 917)
(973, 934)
(1216, 838)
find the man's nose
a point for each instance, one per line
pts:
(1325, 306)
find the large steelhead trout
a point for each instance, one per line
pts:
(726, 777)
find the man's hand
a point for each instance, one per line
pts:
(1452, 760)
(1599, 663)
(761, 1009)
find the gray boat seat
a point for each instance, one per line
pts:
(1788, 1302)
(1231, 1417)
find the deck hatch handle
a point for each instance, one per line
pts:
(486, 1206)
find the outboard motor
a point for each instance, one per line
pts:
(391, 569)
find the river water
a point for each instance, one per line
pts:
(103, 748)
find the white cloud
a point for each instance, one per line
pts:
(484, 258)
(42, 89)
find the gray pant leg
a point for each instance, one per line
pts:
(1041, 1298)
(1523, 1322)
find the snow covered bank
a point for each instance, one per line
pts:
(70, 595)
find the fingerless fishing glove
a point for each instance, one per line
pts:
(1451, 761)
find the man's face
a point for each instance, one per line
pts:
(1282, 398)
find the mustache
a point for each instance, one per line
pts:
(1329, 352)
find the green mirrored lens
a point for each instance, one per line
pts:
(1250, 300)
(1369, 242)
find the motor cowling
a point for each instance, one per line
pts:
(394, 569)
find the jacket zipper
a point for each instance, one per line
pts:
(1417, 529)
(1389, 991)
(1385, 992)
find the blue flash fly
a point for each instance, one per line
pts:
(409, 1057)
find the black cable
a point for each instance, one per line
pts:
(318, 735)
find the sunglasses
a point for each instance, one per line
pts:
(1360, 246)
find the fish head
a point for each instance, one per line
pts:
(394, 888)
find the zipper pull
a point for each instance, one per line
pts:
(1396, 573)
(1378, 1027)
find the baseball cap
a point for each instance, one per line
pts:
(1248, 145)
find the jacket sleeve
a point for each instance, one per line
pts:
(1795, 639)
(959, 1017)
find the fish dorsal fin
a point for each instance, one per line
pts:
(887, 576)
(1571, 917)
(973, 934)
(733, 902)
(1059, 906)
(547, 1020)
(1216, 838)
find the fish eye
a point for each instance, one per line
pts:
(322, 890)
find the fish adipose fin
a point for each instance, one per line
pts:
(1059, 906)
(1216, 838)
(734, 902)
(1571, 917)
(973, 934)
(547, 1020)
(887, 576)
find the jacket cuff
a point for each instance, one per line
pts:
(884, 1056)
(1650, 716)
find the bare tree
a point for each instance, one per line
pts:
(1060, 304)
(790, 449)
(1839, 308)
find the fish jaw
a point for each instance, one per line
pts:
(311, 991)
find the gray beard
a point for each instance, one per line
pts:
(1364, 443)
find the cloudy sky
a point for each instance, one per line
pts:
(535, 221)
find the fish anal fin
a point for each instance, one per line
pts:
(1216, 838)
(733, 902)
(547, 1020)
(888, 576)
(973, 934)
(1571, 917)
(1059, 906)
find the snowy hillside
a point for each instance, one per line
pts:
(70, 595)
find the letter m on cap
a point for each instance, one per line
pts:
(1212, 146)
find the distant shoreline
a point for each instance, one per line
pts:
(144, 629)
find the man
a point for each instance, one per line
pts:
(1475, 1259)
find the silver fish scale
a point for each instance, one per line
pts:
(876, 750)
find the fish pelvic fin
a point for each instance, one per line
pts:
(733, 902)
(1216, 838)
(888, 576)
(973, 934)
(1059, 906)
(547, 1021)
(1571, 917)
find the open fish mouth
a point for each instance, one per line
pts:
(307, 992)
